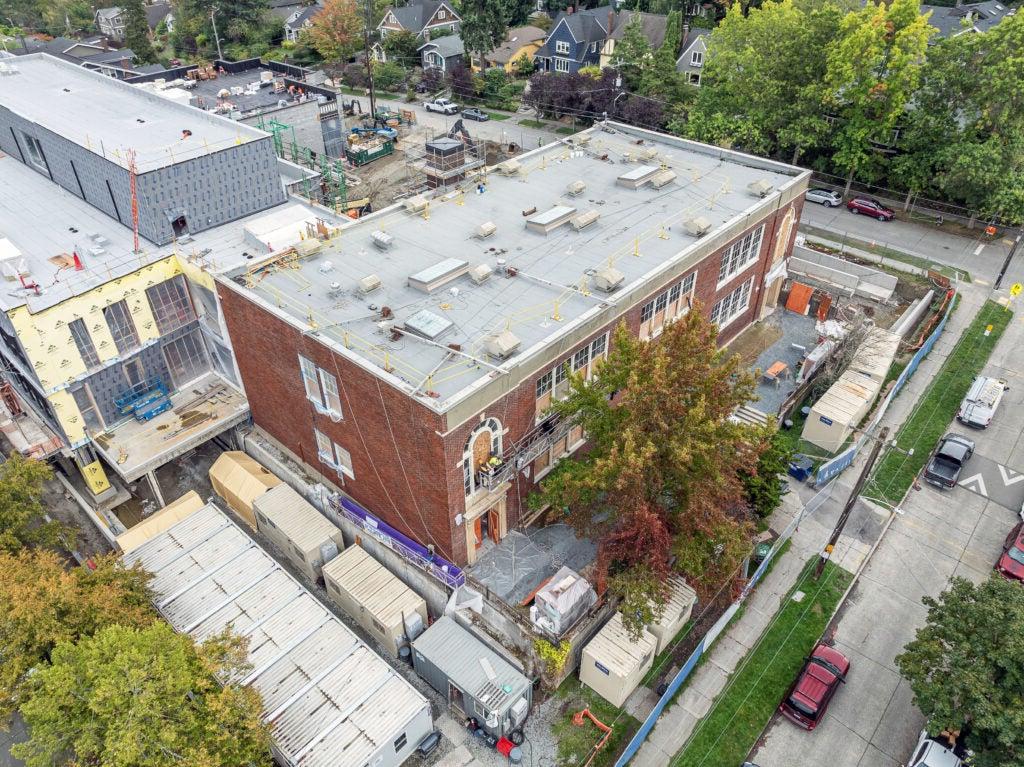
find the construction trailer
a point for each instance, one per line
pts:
(613, 665)
(330, 701)
(165, 519)
(374, 597)
(833, 418)
(678, 609)
(295, 526)
(240, 479)
(472, 677)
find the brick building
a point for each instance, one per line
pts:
(397, 355)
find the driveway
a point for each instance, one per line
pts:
(872, 721)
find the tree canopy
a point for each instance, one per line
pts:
(483, 26)
(137, 32)
(966, 666)
(337, 30)
(144, 697)
(21, 508)
(662, 476)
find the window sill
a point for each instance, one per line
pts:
(735, 317)
(746, 267)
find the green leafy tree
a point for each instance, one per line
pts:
(523, 66)
(401, 47)
(632, 57)
(137, 31)
(147, 697)
(664, 465)
(763, 487)
(21, 508)
(337, 30)
(874, 67)
(518, 12)
(43, 604)
(239, 22)
(483, 26)
(661, 78)
(387, 75)
(964, 667)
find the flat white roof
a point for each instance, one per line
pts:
(373, 586)
(299, 521)
(330, 700)
(613, 648)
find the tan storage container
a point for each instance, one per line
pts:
(612, 665)
(240, 479)
(677, 612)
(389, 610)
(297, 528)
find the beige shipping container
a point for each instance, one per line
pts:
(840, 409)
(613, 665)
(240, 479)
(296, 527)
(375, 597)
(677, 612)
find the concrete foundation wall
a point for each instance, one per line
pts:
(862, 280)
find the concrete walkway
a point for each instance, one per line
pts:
(676, 725)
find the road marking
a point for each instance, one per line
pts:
(982, 490)
(1006, 474)
(977, 250)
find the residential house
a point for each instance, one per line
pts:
(300, 20)
(966, 18)
(521, 41)
(283, 9)
(695, 51)
(575, 40)
(111, 23)
(424, 18)
(157, 13)
(442, 53)
(438, 419)
(652, 25)
(118, 63)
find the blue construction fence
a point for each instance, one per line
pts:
(830, 469)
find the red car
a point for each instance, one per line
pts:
(1011, 563)
(869, 206)
(808, 698)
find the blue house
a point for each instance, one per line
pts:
(575, 40)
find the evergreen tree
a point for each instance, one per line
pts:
(136, 31)
(662, 79)
(483, 26)
(632, 53)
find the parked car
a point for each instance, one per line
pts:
(932, 752)
(472, 113)
(949, 458)
(826, 197)
(1011, 563)
(981, 401)
(869, 206)
(444, 106)
(807, 700)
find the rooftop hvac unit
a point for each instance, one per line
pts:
(518, 712)
(576, 188)
(502, 345)
(480, 273)
(664, 177)
(697, 226)
(628, 157)
(583, 139)
(760, 188)
(415, 204)
(649, 153)
(486, 229)
(608, 279)
(308, 246)
(583, 220)
(369, 283)
(382, 240)
(509, 168)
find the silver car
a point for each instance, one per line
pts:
(826, 197)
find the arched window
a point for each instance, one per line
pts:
(483, 442)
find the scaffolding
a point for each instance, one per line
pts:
(331, 189)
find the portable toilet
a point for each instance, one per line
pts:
(371, 594)
(291, 523)
(678, 608)
(613, 665)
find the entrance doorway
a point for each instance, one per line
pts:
(180, 226)
(455, 697)
(487, 525)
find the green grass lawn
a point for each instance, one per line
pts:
(565, 130)
(739, 714)
(574, 743)
(938, 404)
(533, 123)
(498, 115)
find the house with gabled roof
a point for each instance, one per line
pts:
(576, 40)
(694, 53)
(424, 18)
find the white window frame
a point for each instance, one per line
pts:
(732, 306)
(697, 59)
(470, 482)
(331, 395)
(311, 381)
(324, 449)
(441, 14)
(694, 78)
(666, 307)
(561, 46)
(36, 158)
(561, 65)
(741, 255)
(343, 462)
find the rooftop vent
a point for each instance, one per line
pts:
(608, 279)
(486, 229)
(369, 283)
(502, 345)
(583, 220)
(509, 168)
(576, 188)
(440, 274)
(415, 204)
(664, 177)
(428, 325)
(480, 273)
(308, 246)
(382, 239)
(550, 219)
(636, 178)
(760, 188)
(697, 226)
(648, 153)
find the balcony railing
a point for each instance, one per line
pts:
(541, 438)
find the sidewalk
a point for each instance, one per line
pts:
(694, 702)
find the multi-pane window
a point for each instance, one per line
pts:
(309, 380)
(186, 358)
(343, 461)
(324, 448)
(35, 152)
(83, 341)
(329, 384)
(666, 307)
(733, 305)
(119, 320)
(697, 58)
(170, 304)
(741, 254)
(561, 65)
(87, 407)
(561, 46)
(543, 384)
(333, 454)
(582, 361)
(321, 388)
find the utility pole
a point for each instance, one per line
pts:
(367, 22)
(850, 502)
(1009, 258)
(213, 21)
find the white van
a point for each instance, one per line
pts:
(933, 752)
(979, 406)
